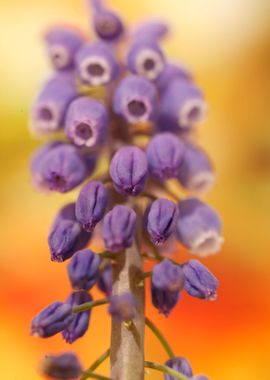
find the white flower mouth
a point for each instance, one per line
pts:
(59, 56)
(202, 182)
(95, 70)
(46, 118)
(137, 110)
(193, 111)
(84, 133)
(149, 64)
(207, 243)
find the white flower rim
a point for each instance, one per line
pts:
(202, 182)
(63, 54)
(191, 104)
(140, 60)
(80, 141)
(92, 79)
(207, 243)
(40, 126)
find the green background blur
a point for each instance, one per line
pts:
(227, 45)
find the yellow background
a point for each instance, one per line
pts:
(226, 43)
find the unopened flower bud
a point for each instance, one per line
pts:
(183, 104)
(167, 281)
(200, 282)
(66, 235)
(86, 122)
(91, 204)
(153, 30)
(123, 307)
(171, 72)
(65, 366)
(135, 99)
(165, 154)
(199, 227)
(78, 327)
(161, 220)
(49, 109)
(104, 282)
(119, 227)
(178, 364)
(96, 64)
(62, 44)
(145, 58)
(51, 320)
(196, 172)
(128, 170)
(83, 269)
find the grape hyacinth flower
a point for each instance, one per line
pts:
(125, 117)
(96, 64)
(167, 281)
(196, 173)
(128, 170)
(78, 327)
(165, 154)
(107, 24)
(104, 282)
(63, 42)
(199, 281)
(161, 220)
(86, 122)
(119, 227)
(182, 104)
(122, 307)
(66, 235)
(83, 269)
(180, 365)
(65, 366)
(50, 107)
(91, 204)
(199, 227)
(145, 58)
(59, 167)
(51, 320)
(135, 99)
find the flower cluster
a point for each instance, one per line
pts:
(118, 104)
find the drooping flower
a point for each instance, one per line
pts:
(167, 281)
(161, 220)
(104, 282)
(78, 327)
(128, 170)
(178, 364)
(122, 307)
(51, 320)
(83, 269)
(199, 281)
(64, 366)
(135, 99)
(62, 43)
(119, 227)
(165, 154)
(199, 227)
(91, 204)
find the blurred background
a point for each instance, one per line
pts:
(226, 43)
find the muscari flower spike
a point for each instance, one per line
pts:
(165, 154)
(54, 318)
(65, 366)
(91, 204)
(86, 122)
(96, 64)
(167, 281)
(122, 307)
(199, 227)
(62, 44)
(161, 220)
(128, 170)
(83, 269)
(66, 235)
(78, 327)
(199, 281)
(135, 99)
(119, 227)
(180, 365)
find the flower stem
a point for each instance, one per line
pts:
(89, 305)
(95, 376)
(160, 337)
(96, 364)
(165, 369)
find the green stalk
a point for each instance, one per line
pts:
(165, 369)
(89, 305)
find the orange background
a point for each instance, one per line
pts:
(226, 43)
